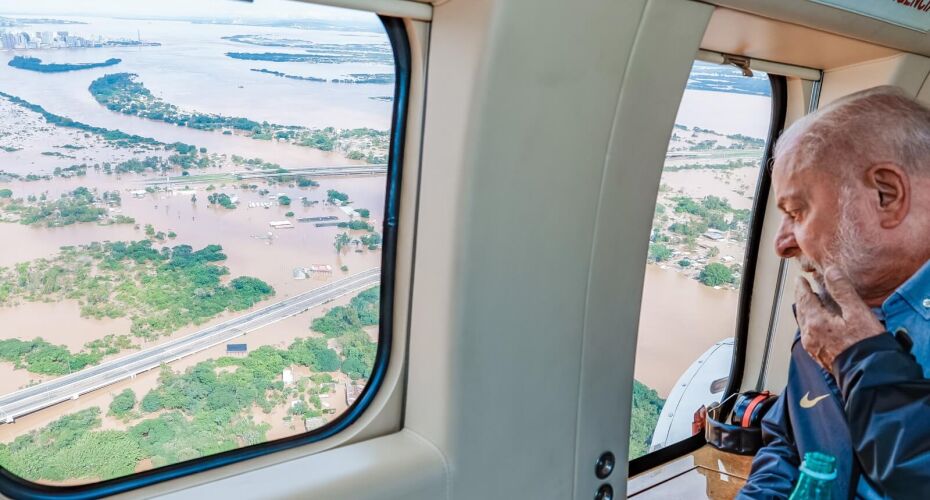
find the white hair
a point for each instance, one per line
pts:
(878, 125)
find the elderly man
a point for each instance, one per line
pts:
(853, 184)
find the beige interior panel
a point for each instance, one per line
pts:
(735, 32)
(510, 221)
(497, 327)
(907, 71)
(408, 9)
(832, 20)
(669, 32)
(401, 465)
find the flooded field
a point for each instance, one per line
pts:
(266, 225)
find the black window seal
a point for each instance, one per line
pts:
(656, 458)
(15, 487)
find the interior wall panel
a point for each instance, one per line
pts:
(645, 114)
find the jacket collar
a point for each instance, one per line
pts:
(913, 294)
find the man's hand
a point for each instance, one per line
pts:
(826, 333)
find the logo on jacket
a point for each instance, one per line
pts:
(807, 402)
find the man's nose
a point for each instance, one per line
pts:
(786, 246)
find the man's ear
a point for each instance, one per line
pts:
(892, 189)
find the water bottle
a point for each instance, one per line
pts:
(818, 470)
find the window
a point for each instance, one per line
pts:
(697, 253)
(194, 197)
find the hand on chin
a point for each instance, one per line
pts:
(832, 322)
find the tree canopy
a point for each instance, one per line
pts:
(715, 274)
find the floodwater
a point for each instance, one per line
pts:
(726, 113)
(679, 320)
(191, 71)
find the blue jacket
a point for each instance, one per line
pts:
(874, 418)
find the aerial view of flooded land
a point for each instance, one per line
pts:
(191, 215)
(698, 240)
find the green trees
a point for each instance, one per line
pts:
(691, 228)
(284, 200)
(122, 93)
(35, 64)
(715, 220)
(359, 352)
(314, 353)
(684, 204)
(71, 208)
(712, 202)
(161, 290)
(647, 405)
(151, 402)
(319, 140)
(221, 199)
(333, 196)
(716, 274)
(342, 241)
(363, 310)
(684, 263)
(357, 225)
(363, 212)
(118, 137)
(39, 356)
(372, 241)
(72, 448)
(659, 252)
(6, 193)
(123, 403)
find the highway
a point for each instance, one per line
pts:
(312, 172)
(36, 397)
(715, 154)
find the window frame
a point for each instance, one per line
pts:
(395, 28)
(656, 458)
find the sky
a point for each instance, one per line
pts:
(259, 9)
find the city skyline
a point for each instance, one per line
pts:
(227, 9)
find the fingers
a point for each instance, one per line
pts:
(813, 345)
(842, 290)
(805, 297)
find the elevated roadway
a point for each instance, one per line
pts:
(45, 394)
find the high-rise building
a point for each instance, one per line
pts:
(8, 40)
